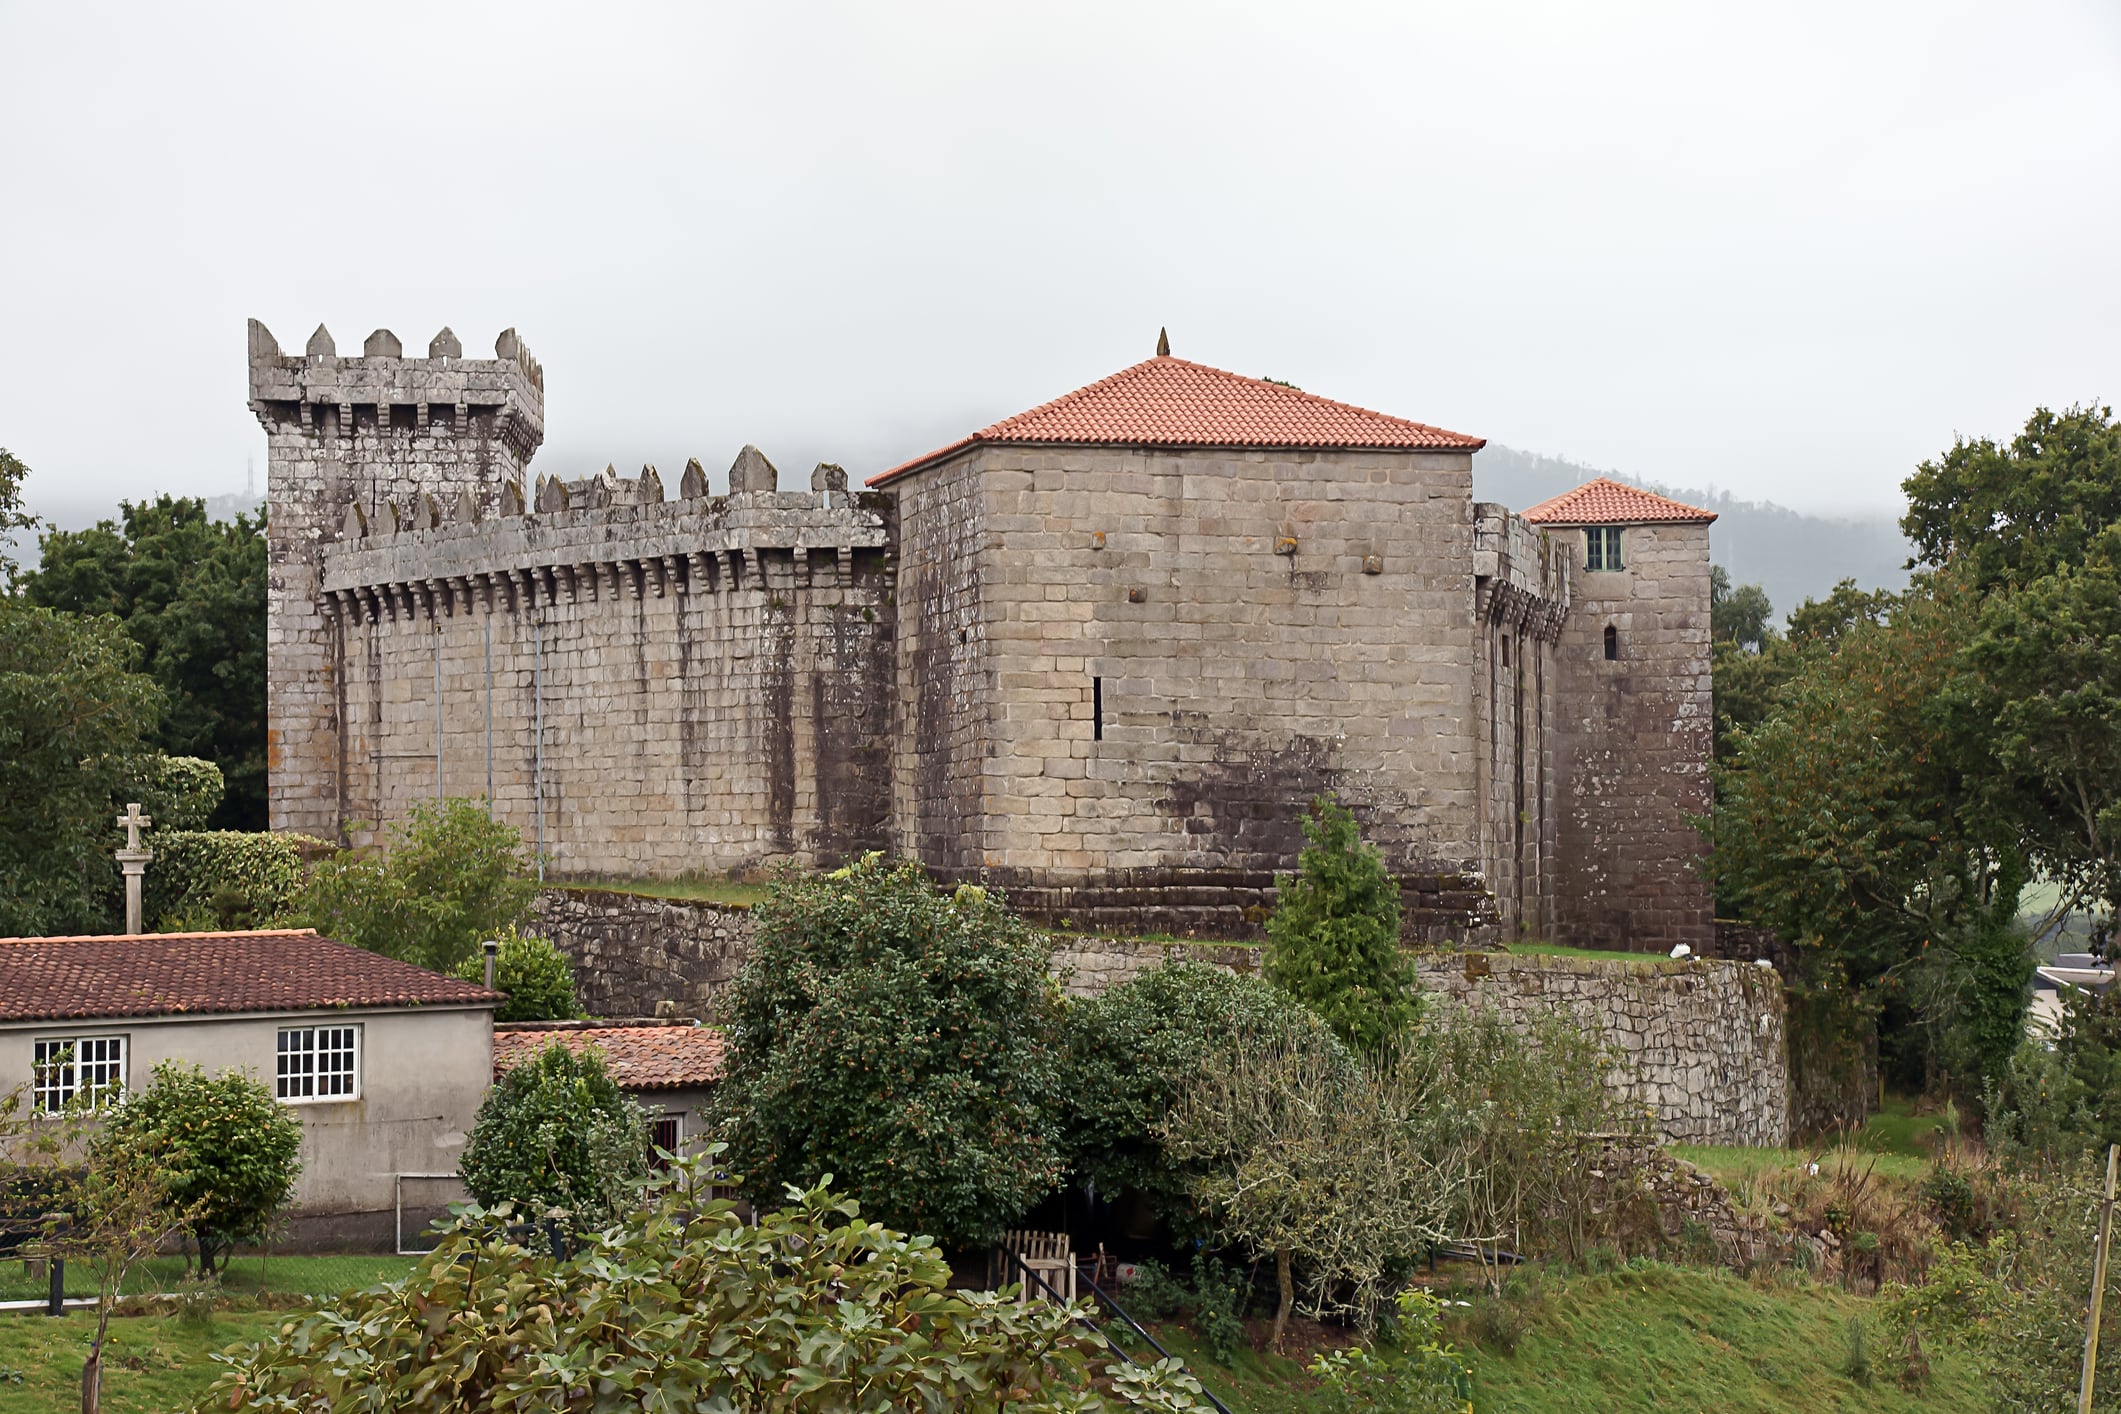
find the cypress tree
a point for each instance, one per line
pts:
(1333, 940)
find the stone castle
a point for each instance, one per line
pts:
(1101, 654)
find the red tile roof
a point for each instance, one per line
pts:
(1609, 502)
(165, 974)
(638, 1057)
(1168, 402)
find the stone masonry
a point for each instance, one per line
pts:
(1703, 1041)
(1106, 667)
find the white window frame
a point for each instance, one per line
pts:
(50, 1095)
(313, 1031)
(1601, 549)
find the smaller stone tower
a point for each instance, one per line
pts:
(1633, 717)
(381, 436)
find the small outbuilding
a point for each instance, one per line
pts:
(385, 1063)
(671, 1067)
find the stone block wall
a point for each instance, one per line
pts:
(1706, 1039)
(646, 688)
(634, 955)
(1150, 661)
(1633, 733)
(1521, 596)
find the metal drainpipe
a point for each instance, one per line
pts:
(437, 611)
(537, 747)
(487, 623)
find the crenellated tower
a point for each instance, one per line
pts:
(389, 436)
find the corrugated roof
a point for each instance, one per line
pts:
(638, 1057)
(164, 974)
(1169, 402)
(1609, 502)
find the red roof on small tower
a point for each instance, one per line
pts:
(1169, 402)
(1609, 502)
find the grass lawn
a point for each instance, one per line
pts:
(1896, 1138)
(1656, 1337)
(153, 1364)
(246, 1275)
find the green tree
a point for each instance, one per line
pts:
(685, 1304)
(191, 593)
(1738, 616)
(2043, 677)
(1333, 939)
(1329, 1166)
(230, 1152)
(2059, 1098)
(451, 877)
(1131, 1052)
(12, 517)
(74, 720)
(536, 975)
(904, 1040)
(558, 1132)
(1863, 821)
(2005, 515)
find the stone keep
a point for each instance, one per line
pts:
(1102, 654)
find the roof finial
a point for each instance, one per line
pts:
(1163, 343)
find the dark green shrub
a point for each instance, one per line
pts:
(205, 879)
(558, 1133)
(451, 877)
(1333, 939)
(176, 792)
(536, 975)
(1132, 1050)
(905, 1041)
(229, 1145)
(684, 1304)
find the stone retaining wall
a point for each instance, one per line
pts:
(634, 955)
(1705, 1039)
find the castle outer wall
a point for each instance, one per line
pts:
(1107, 678)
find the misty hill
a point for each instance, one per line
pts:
(1792, 556)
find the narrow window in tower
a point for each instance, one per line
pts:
(1612, 644)
(1097, 709)
(1506, 650)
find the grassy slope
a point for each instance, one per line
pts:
(153, 1364)
(297, 1275)
(1660, 1338)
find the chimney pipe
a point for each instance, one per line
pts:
(493, 949)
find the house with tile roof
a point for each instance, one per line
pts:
(385, 1063)
(1101, 653)
(671, 1067)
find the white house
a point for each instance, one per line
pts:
(386, 1063)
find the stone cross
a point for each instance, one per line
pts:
(134, 822)
(133, 860)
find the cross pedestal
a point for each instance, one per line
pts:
(133, 860)
(134, 863)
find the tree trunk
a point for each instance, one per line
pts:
(92, 1380)
(1286, 1285)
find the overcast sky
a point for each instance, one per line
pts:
(1787, 250)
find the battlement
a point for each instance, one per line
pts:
(1518, 572)
(575, 539)
(381, 392)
